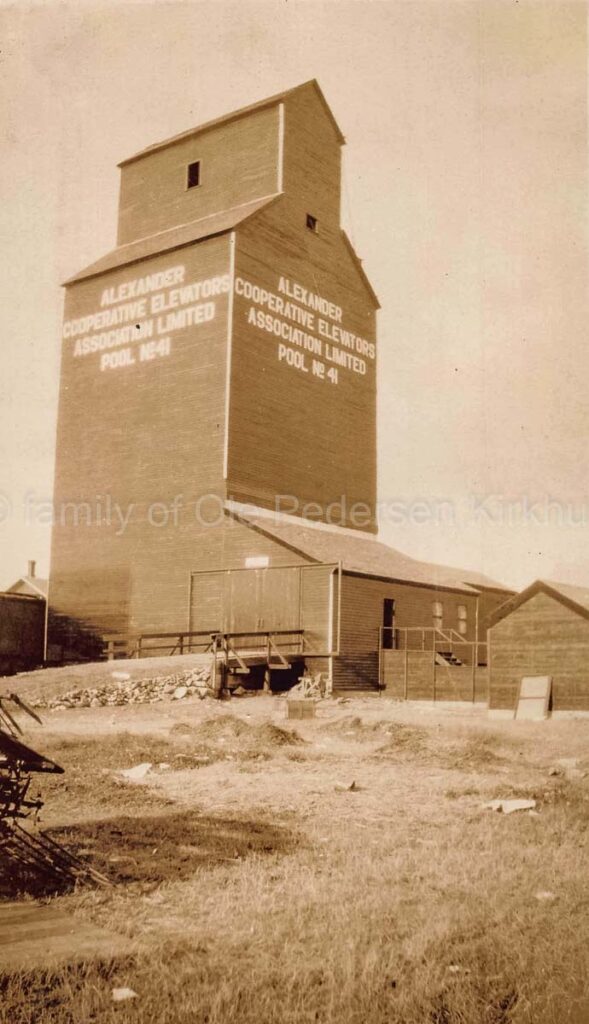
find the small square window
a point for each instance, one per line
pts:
(193, 175)
(311, 222)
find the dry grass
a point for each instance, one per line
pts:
(273, 898)
(92, 785)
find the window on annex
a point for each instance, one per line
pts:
(193, 174)
(437, 615)
(462, 616)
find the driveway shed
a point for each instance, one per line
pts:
(543, 631)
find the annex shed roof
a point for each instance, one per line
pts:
(362, 554)
(174, 238)
(574, 597)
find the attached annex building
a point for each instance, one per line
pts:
(218, 368)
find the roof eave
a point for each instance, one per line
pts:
(404, 582)
(94, 271)
(88, 273)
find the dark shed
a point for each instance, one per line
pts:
(22, 629)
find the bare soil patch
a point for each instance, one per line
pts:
(169, 847)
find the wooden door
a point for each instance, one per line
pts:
(388, 621)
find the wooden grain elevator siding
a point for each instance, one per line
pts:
(140, 434)
(289, 433)
(239, 163)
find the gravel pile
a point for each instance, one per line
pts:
(190, 683)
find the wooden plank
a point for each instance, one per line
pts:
(41, 935)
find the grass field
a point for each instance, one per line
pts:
(259, 888)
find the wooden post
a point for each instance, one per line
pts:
(475, 658)
(214, 672)
(267, 670)
(434, 672)
(406, 681)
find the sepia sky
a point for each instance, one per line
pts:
(465, 181)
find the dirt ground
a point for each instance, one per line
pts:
(342, 868)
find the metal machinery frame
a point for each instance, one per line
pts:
(29, 859)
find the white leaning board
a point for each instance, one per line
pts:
(533, 698)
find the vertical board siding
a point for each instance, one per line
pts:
(316, 583)
(284, 597)
(411, 675)
(238, 163)
(543, 637)
(395, 677)
(227, 546)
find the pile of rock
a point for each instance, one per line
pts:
(122, 689)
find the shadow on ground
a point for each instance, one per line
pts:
(170, 847)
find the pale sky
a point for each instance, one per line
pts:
(465, 194)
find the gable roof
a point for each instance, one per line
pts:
(270, 101)
(575, 598)
(360, 553)
(175, 238)
(35, 583)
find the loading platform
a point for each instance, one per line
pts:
(232, 653)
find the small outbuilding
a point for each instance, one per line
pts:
(543, 631)
(22, 623)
